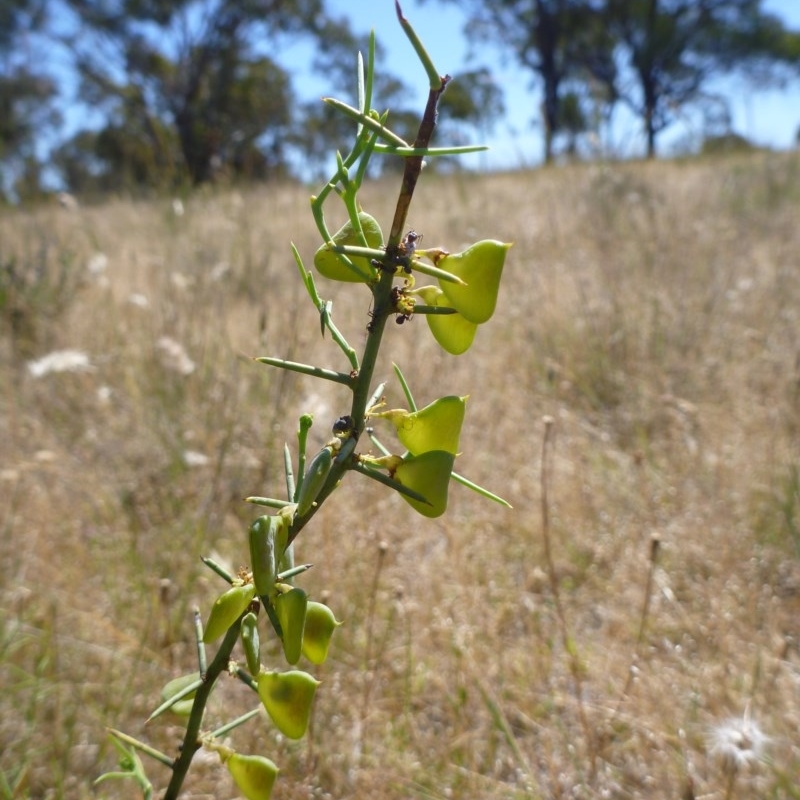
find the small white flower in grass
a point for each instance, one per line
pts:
(194, 459)
(738, 743)
(97, 264)
(174, 357)
(60, 361)
(139, 300)
(181, 281)
(219, 271)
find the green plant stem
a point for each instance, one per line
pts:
(381, 309)
(235, 723)
(214, 567)
(141, 746)
(191, 740)
(201, 647)
(414, 163)
(416, 43)
(381, 293)
(306, 369)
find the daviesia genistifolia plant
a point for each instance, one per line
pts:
(456, 293)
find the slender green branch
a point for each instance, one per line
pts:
(141, 746)
(355, 250)
(306, 369)
(367, 121)
(246, 678)
(177, 697)
(288, 469)
(201, 647)
(436, 81)
(191, 739)
(235, 723)
(379, 445)
(304, 426)
(375, 475)
(336, 335)
(405, 387)
(429, 152)
(220, 570)
(480, 490)
(293, 572)
(268, 502)
(435, 272)
(376, 396)
(434, 310)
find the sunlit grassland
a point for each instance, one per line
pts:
(652, 311)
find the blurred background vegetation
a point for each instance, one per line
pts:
(140, 95)
(650, 309)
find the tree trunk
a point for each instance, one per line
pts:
(547, 38)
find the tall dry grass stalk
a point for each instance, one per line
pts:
(650, 310)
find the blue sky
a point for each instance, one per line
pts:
(769, 118)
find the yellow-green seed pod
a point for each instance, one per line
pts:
(429, 475)
(480, 266)
(320, 625)
(182, 707)
(251, 643)
(331, 265)
(435, 427)
(314, 479)
(453, 332)
(254, 775)
(227, 608)
(291, 610)
(263, 556)
(288, 696)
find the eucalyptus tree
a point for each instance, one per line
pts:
(558, 43)
(198, 83)
(673, 48)
(27, 94)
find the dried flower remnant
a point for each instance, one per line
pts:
(738, 743)
(60, 361)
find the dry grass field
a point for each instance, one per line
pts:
(652, 311)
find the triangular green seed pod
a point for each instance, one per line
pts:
(480, 266)
(254, 775)
(320, 625)
(435, 427)
(429, 475)
(331, 265)
(182, 707)
(291, 610)
(288, 696)
(227, 608)
(453, 332)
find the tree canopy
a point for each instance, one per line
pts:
(26, 94)
(656, 56)
(188, 91)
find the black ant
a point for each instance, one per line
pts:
(407, 248)
(403, 304)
